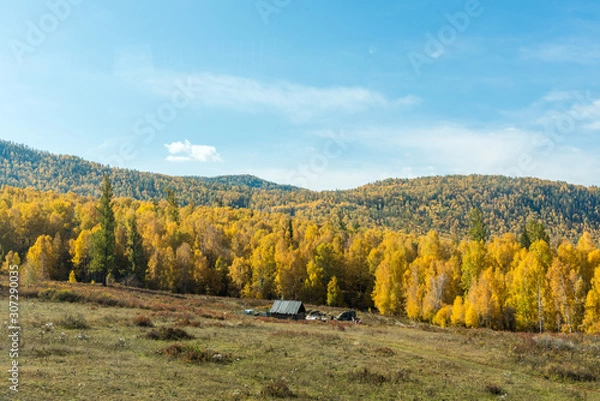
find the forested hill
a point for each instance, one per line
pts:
(22, 166)
(415, 205)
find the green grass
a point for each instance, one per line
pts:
(231, 356)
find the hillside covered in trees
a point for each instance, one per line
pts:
(502, 282)
(406, 205)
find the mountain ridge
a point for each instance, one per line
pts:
(411, 205)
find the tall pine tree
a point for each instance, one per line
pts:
(103, 240)
(136, 259)
(173, 208)
(478, 231)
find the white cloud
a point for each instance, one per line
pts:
(450, 148)
(447, 148)
(567, 163)
(185, 151)
(587, 111)
(577, 112)
(576, 50)
(560, 96)
(593, 126)
(466, 150)
(559, 115)
(295, 101)
(519, 146)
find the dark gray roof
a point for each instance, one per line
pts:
(287, 307)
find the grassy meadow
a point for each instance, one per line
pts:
(88, 342)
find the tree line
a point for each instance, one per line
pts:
(522, 280)
(411, 206)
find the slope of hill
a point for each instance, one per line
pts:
(266, 359)
(415, 205)
(22, 166)
(443, 203)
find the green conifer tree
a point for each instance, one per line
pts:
(103, 241)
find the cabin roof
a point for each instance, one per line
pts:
(287, 307)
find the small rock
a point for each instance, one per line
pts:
(48, 327)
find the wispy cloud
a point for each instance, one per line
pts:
(558, 114)
(464, 150)
(441, 147)
(186, 151)
(593, 126)
(570, 112)
(546, 139)
(576, 50)
(295, 101)
(557, 96)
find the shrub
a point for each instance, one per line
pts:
(52, 294)
(366, 376)
(184, 321)
(48, 327)
(212, 315)
(549, 343)
(442, 317)
(168, 334)
(277, 389)
(493, 388)
(65, 296)
(569, 372)
(143, 321)
(74, 322)
(525, 345)
(105, 299)
(402, 376)
(194, 354)
(384, 351)
(47, 294)
(45, 352)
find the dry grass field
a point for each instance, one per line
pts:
(87, 342)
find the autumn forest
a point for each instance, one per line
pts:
(523, 280)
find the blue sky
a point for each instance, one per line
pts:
(319, 94)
